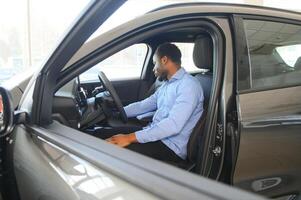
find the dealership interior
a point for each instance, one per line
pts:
(150, 99)
(31, 30)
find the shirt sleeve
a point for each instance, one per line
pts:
(138, 108)
(146, 115)
(179, 114)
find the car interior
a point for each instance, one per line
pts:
(275, 70)
(94, 105)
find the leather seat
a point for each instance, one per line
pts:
(153, 88)
(203, 59)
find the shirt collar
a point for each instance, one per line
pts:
(178, 75)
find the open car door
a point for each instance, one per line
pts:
(28, 175)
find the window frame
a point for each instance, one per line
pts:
(204, 23)
(241, 44)
(207, 24)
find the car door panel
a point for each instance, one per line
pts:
(57, 162)
(54, 173)
(127, 90)
(268, 109)
(270, 140)
(68, 156)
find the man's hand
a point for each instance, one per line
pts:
(122, 140)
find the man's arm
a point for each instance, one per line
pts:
(183, 108)
(147, 105)
(122, 140)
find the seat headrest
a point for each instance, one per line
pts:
(203, 52)
(297, 65)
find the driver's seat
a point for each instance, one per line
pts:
(203, 59)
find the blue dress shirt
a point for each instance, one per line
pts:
(177, 106)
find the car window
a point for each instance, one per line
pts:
(126, 64)
(288, 55)
(187, 57)
(274, 53)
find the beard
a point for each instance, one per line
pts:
(161, 74)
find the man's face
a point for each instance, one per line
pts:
(160, 68)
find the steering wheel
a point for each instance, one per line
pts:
(109, 87)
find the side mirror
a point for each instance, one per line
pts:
(6, 112)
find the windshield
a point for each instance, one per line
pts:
(31, 30)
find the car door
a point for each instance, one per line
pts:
(95, 14)
(47, 160)
(269, 106)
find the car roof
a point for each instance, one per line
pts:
(181, 9)
(225, 5)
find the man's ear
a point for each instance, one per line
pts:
(164, 60)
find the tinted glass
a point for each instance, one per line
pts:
(274, 53)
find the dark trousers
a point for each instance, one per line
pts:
(157, 150)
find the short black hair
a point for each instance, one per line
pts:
(171, 51)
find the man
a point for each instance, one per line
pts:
(177, 106)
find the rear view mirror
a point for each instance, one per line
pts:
(6, 112)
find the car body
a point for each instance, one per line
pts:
(252, 133)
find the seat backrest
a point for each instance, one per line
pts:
(195, 138)
(153, 88)
(205, 80)
(203, 59)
